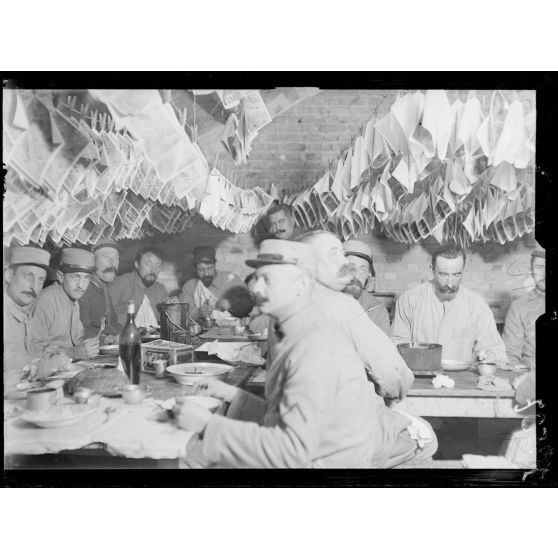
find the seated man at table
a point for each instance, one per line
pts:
(519, 328)
(381, 359)
(23, 281)
(359, 255)
(56, 321)
(445, 312)
(142, 287)
(96, 303)
(320, 411)
(204, 292)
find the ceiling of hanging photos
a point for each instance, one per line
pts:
(126, 163)
(459, 170)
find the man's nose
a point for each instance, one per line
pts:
(82, 283)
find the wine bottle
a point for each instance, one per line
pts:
(130, 346)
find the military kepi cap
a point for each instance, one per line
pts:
(27, 255)
(76, 259)
(106, 243)
(359, 249)
(204, 254)
(538, 254)
(281, 252)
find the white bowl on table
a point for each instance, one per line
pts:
(190, 372)
(455, 365)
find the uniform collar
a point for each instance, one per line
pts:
(63, 295)
(20, 313)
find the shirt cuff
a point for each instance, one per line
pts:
(212, 438)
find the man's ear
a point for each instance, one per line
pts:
(136, 265)
(59, 276)
(8, 275)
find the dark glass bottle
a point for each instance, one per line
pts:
(130, 346)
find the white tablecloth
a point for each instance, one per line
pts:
(135, 431)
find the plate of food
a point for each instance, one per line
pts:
(455, 365)
(190, 372)
(59, 415)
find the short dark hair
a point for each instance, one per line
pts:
(450, 251)
(145, 249)
(241, 301)
(286, 209)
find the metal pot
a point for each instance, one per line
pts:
(421, 357)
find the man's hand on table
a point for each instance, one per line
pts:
(194, 457)
(190, 416)
(215, 388)
(86, 350)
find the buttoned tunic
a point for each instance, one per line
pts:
(320, 411)
(55, 322)
(93, 305)
(519, 329)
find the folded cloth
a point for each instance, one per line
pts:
(203, 294)
(441, 380)
(145, 316)
(493, 383)
(418, 428)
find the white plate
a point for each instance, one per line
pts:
(61, 415)
(190, 372)
(455, 365)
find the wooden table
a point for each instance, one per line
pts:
(464, 400)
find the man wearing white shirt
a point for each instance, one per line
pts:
(204, 293)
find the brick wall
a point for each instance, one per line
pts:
(292, 152)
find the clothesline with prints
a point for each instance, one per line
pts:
(74, 177)
(429, 167)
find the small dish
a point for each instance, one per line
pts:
(487, 368)
(455, 365)
(191, 372)
(59, 416)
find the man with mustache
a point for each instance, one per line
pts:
(56, 320)
(142, 287)
(23, 281)
(319, 409)
(282, 222)
(359, 255)
(96, 303)
(383, 363)
(442, 311)
(205, 292)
